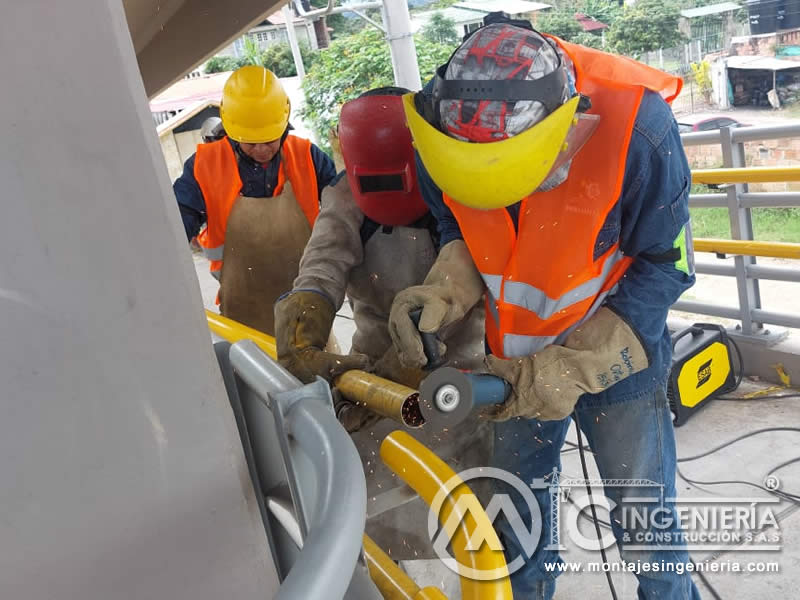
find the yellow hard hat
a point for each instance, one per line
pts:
(498, 174)
(255, 108)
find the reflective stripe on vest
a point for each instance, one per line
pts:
(541, 276)
(543, 306)
(525, 345)
(214, 253)
(216, 170)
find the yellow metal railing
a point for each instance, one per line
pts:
(392, 581)
(748, 247)
(746, 175)
(433, 480)
(233, 331)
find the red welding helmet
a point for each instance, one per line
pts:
(379, 158)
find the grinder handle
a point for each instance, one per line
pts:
(430, 343)
(488, 389)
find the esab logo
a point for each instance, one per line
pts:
(704, 373)
(697, 379)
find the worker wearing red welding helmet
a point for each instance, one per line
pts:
(558, 178)
(373, 238)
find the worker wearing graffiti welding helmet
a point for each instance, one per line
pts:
(373, 238)
(558, 178)
(258, 190)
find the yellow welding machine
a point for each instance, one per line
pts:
(702, 368)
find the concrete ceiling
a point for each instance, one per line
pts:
(173, 36)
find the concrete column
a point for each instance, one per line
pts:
(123, 475)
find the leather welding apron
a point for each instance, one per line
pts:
(264, 242)
(393, 262)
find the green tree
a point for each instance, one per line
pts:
(353, 65)
(252, 52)
(220, 64)
(560, 23)
(588, 39)
(702, 77)
(440, 30)
(605, 11)
(645, 26)
(278, 59)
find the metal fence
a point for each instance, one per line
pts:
(739, 201)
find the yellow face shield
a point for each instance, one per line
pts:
(498, 174)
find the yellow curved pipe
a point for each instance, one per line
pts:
(748, 247)
(746, 175)
(393, 583)
(432, 479)
(233, 331)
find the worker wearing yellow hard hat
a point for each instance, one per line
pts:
(559, 182)
(258, 190)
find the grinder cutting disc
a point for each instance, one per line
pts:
(446, 397)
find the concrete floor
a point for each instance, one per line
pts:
(749, 460)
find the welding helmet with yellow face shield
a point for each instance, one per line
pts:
(502, 119)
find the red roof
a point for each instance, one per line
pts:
(276, 18)
(188, 91)
(588, 23)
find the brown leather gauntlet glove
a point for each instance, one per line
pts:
(303, 321)
(547, 385)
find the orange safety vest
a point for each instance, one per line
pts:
(217, 173)
(543, 281)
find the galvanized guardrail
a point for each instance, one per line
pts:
(306, 472)
(312, 488)
(739, 201)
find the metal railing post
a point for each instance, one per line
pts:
(741, 229)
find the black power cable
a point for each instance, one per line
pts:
(591, 503)
(793, 498)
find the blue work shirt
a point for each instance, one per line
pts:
(651, 212)
(258, 181)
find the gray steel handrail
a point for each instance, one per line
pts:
(333, 542)
(739, 201)
(742, 134)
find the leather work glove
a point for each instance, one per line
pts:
(389, 367)
(547, 385)
(303, 321)
(352, 416)
(452, 287)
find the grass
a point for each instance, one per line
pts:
(769, 224)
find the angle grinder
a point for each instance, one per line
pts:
(449, 395)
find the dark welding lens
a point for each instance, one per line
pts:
(381, 183)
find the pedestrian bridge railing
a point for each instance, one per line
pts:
(733, 179)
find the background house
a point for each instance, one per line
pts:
(180, 134)
(467, 16)
(186, 93)
(271, 31)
